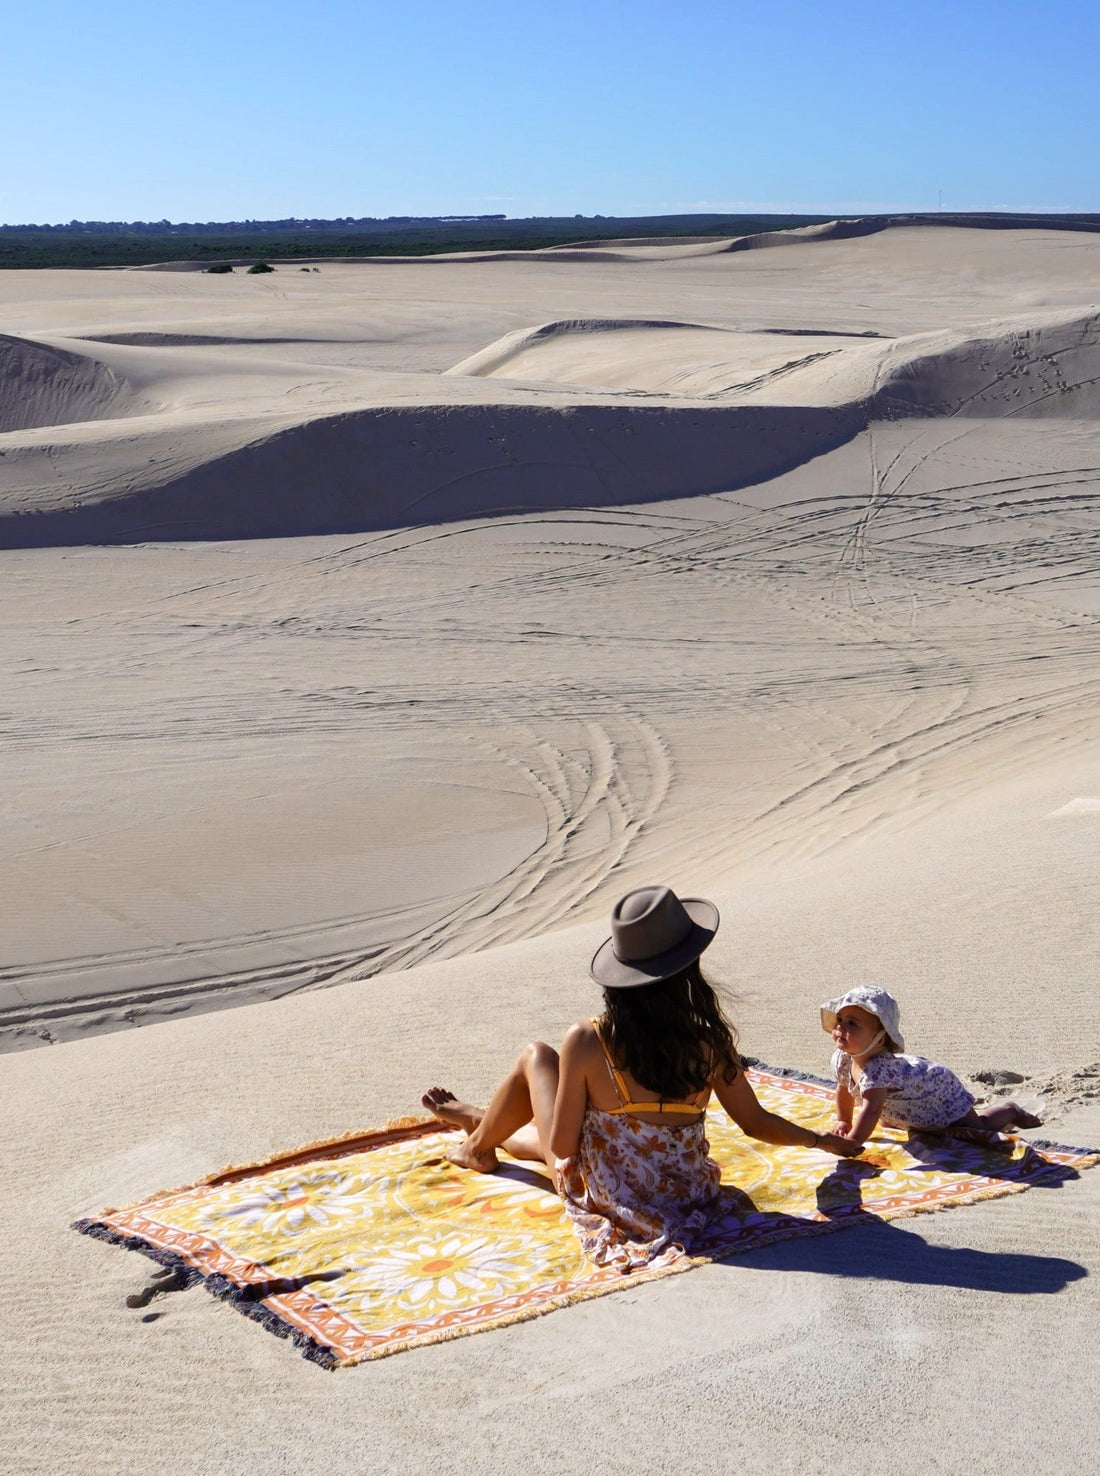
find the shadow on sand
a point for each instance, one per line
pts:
(881, 1250)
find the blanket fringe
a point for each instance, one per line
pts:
(1088, 1157)
(219, 1286)
(786, 1071)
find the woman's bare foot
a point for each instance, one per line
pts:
(446, 1106)
(482, 1161)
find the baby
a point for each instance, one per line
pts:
(874, 1076)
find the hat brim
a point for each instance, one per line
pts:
(613, 973)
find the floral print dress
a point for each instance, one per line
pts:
(637, 1191)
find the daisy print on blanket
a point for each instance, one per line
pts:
(361, 1248)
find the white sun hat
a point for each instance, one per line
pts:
(876, 1002)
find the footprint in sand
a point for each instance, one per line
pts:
(167, 1279)
(1084, 805)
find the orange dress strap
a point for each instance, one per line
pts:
(616, 1075)
(694, 1107)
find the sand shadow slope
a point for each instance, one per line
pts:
(404, 466)
(41, 385)
(1036, 366)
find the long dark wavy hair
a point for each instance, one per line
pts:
(671, 1035)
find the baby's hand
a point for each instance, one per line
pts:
(843, 1147)
(841, 1128)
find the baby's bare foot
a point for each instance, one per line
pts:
(446, 1106)
(1026, 1119)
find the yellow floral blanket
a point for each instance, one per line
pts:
(372, 1244)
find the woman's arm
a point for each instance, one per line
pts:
(874, 1100)
(739, 1100)
(572, 1096)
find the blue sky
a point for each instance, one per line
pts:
(238, 109)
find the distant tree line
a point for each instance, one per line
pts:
(143, 243)
(242, 227)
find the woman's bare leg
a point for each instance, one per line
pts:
(517, 1118)
(523, 1143)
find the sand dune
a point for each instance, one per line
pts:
(631, 248)
(857, 645)
(1036, 365)
(802, 450)
(838, 483)
(399, 465)
(41, 385)
(684, 360)
(594, 413)
(365, 633)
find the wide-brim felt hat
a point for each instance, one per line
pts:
(877, 1002)
(654, 934)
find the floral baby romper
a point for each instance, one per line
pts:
(919, 1093)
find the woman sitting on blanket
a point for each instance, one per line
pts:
(618, 1117)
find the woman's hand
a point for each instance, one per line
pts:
(843, 1147)
(740, 1101)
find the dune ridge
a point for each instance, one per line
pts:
(1033, 366)
(495, 355)
(740, 419)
